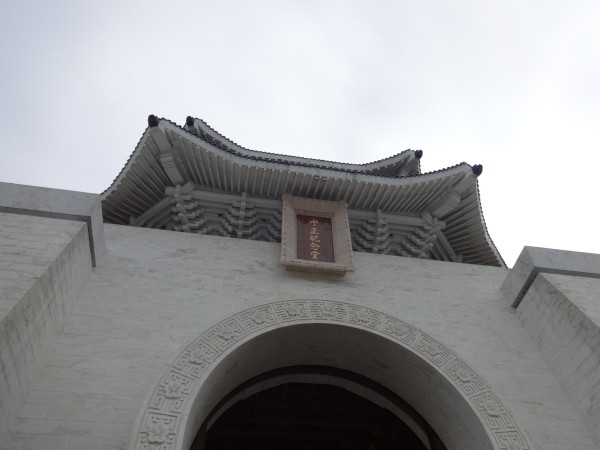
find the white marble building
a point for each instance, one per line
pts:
(157, 314)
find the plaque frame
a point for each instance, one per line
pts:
(342, 242)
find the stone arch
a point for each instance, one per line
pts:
(451, 396)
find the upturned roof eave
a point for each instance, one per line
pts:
(130, 161)
(324, 171)
(314, 169)
(486, 233)
(369, 166)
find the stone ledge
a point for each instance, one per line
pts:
(535, 260)
(58, 204)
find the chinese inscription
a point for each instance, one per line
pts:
(315, 239)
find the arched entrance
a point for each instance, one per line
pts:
(314, 407)
(451, 397)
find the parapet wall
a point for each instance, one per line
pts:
(49, 241)
(44, 264)
(560, 309)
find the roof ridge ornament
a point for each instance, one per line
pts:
(153, 121)
(477, 169)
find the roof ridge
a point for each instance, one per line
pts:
(294, 156)
(154, 121)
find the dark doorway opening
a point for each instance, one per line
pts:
(313, 416)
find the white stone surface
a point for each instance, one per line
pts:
(562, 315)
(535, 260)
(57, 203)
(153, 292)
(44, 264)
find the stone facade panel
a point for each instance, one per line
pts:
(167, 303)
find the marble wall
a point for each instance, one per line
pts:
(153, 292)
(44, 264)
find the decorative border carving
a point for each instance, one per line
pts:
(162, 417)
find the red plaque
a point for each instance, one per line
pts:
(315, 238)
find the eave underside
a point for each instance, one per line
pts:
(188, 209)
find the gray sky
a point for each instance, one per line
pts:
(512, 85)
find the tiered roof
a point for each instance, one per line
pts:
(194, 179)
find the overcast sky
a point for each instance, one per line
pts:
(512, 85)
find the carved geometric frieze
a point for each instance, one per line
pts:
(400, 331)
(164, 412)
(257, 318)
(292, 311)
(225, 334)
(195, 358)
(510, 440)
(158, 431)
(467, 380)
(493, 412)
(364, 317)
(433, 351)
(326, 310)
(173, 391)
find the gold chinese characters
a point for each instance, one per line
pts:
(314, 239)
